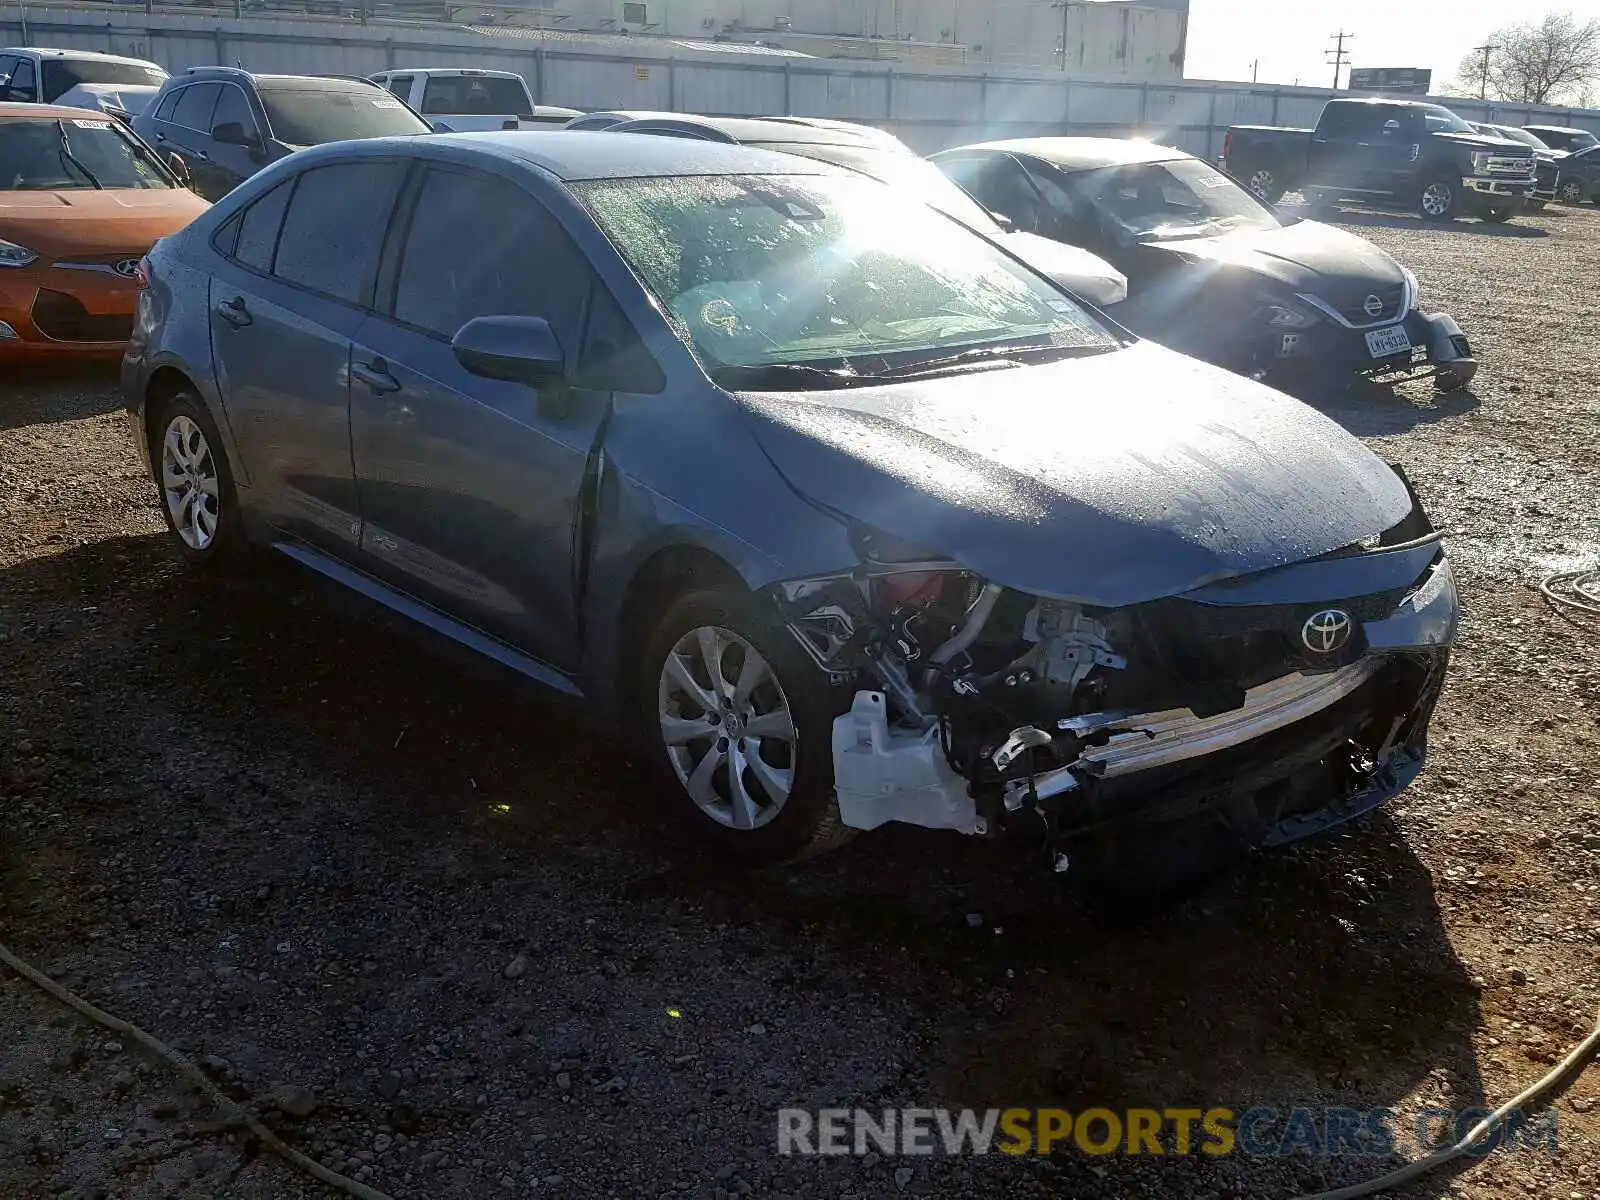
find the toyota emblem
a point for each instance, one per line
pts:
(127, 267)
(1326, 631)
(1373, 306)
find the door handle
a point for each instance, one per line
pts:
(375, 375)
(201, 155)
(234, 312)
(161, 137)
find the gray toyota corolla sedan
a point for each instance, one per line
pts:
(844, 515)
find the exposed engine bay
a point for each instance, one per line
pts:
(972, 707)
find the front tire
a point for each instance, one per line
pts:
(194, 485)
(1439, 200)
(739, 727)
(1571, 192)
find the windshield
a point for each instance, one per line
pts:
(899, 169)
(827, 272)
(304, 115)
(1182, 197)
(45, 154)
(1440, 119)
(479, 95)
(1570, 139)
(1515, 135)
(60, 75)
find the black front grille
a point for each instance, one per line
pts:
(62, 318)
(1371, 305)
(1544, 176)
(1205, 657)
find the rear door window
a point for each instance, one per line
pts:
(23, 80)
(258, 232)
(195, 108)
(335, 227)
(480, 246)
(169, 102)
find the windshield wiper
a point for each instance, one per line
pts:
(997, 355)
(784, 377)
(66, 150)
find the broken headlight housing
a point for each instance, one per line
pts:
(1284, 314)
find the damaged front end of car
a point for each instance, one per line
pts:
(1265, 708)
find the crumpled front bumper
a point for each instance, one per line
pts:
(1439, 349)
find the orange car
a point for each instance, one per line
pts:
(81, 200)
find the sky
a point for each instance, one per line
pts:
(1290, 36)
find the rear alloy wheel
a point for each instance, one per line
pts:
(1265, 185)
(1572, 192)
(741, 729)
(1438, 200)
(196, 486)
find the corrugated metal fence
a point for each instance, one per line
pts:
(931, 110)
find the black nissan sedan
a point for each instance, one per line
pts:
(1215, 273)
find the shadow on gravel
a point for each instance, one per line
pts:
(36, 394)
(231, 735)
(1371, 411)
(1364, 218)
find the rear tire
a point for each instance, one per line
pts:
(1266, 186)
(1439, 199)
(714, 664)
(194, 485)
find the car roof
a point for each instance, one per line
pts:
(49, 112)
(574, 155)
(1557, 128)
(213, 73)
(1079, 153)
(95, 55)
(469, 71)
(770, 130)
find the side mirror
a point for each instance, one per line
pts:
(231, 133)
(1391, 126)
(517, 349)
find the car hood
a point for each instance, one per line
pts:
(1307, 256)
(85, 221)
(1111, 480)
(1484, 141)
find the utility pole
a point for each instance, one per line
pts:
(1338, 55)
(1066, 9)
(1483, 71)
(1255, 70)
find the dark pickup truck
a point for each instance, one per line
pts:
(1414, 155)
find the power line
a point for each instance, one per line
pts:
(1338, 55)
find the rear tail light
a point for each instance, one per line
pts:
(141, 274)
(1227, 144)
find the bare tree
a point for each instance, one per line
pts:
(1545, 62)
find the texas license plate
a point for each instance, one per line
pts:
(1381, 343)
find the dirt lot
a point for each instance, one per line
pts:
(304, 849)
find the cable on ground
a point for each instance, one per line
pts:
(233, 1110)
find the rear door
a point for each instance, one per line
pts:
(284, 307)
(469, 486)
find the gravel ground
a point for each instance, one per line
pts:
(441, 924)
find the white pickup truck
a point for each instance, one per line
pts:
(461, 100)
(107, 83)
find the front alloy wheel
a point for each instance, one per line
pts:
(739, 724)
(189, 483)
(727, 728)
(1572, 192)
(1438, 200)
